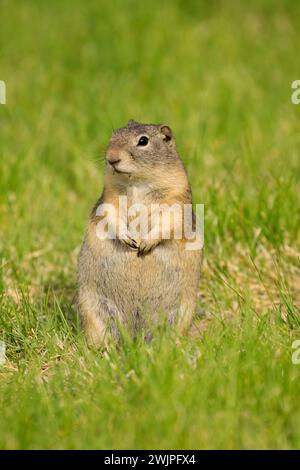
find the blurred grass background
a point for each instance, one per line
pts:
(219, 73)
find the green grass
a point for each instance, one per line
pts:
(220, 74)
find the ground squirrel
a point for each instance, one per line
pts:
(137, 280)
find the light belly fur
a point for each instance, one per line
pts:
(126, 285)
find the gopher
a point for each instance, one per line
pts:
(138, 279)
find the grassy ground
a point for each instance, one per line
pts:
(219, 73)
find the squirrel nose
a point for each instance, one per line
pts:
(113, 156)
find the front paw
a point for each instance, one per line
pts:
(146, 246)
(129, 242)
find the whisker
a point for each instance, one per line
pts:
(99, 160)
(101, 157)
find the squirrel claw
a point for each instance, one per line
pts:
(145, 247)
(130, 242)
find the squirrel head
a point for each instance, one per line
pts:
(139, 150)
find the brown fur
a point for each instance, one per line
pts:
(136, 283)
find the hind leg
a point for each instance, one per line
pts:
(96, 329)
(189, 289)
(185, 316)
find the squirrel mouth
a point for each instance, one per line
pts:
(120, 172)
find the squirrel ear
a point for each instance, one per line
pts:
(166, 132)
(131, 123)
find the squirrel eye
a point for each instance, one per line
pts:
(143, 141)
